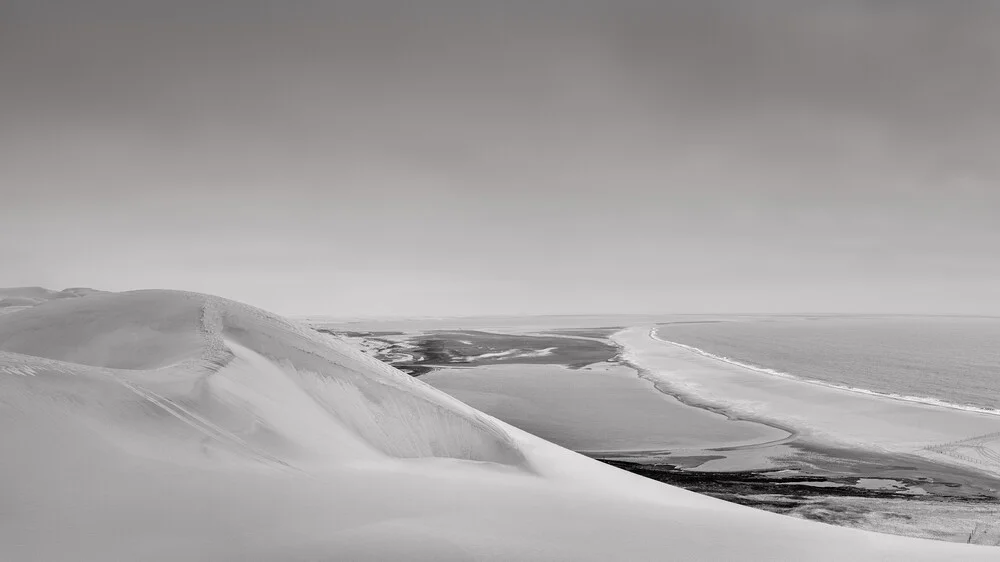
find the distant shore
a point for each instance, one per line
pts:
(820, 413)
(772, 372)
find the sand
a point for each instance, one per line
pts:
(822, 414)
(236, 435)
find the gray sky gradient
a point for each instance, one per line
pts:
(447, 158)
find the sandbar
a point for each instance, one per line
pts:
(819, 413)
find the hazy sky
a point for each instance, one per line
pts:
(444, 158)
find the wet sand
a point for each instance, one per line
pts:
(601, 409)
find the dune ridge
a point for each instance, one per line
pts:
(216, 365)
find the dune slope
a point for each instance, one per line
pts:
(160, 425)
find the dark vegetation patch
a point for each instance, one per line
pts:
(847, 505)
(414, 370)
(833, 514)
(744, 487)
(889, 515)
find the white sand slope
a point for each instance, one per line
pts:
(159, 425)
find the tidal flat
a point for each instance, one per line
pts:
(575, 386)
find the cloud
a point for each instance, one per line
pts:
(526, 143)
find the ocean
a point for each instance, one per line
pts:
(951, 361)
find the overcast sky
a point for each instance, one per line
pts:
(453, 158)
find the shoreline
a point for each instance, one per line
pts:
(815, 413)
(692, 401)
(926, 400)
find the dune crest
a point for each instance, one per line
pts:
(246, 380)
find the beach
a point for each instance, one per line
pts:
(819, 413)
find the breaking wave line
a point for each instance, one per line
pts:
(926, 400)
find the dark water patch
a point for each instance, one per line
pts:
(356, 334)
(473, 348)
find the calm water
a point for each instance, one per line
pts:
(932, 359)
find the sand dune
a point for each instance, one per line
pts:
(160, 425)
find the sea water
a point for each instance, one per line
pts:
(951, 361)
